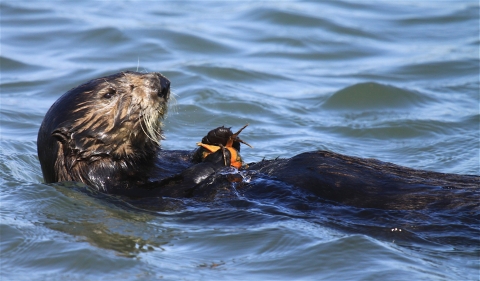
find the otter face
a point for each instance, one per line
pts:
(122, 112)
(116, 117)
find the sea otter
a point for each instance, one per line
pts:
(106, 133)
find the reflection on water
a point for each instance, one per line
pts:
(393, 81)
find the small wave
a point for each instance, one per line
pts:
(300, 18)
(231, 73)
(16, 66)
(371, 96)
(196, 41)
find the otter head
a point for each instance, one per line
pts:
(103, 130)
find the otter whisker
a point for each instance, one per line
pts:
(147, 134)
(149, 130)
(151, 127)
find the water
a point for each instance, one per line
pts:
(394, 81)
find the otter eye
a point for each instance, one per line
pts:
(109, 93)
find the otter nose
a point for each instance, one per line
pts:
(164, 90)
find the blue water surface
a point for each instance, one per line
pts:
(392, 80)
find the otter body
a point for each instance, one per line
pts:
(106, 134)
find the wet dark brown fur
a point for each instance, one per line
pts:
(106, 134)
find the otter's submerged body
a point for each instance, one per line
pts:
(106, 134)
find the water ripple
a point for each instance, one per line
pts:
(396, 81)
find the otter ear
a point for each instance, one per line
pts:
(61, 134)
